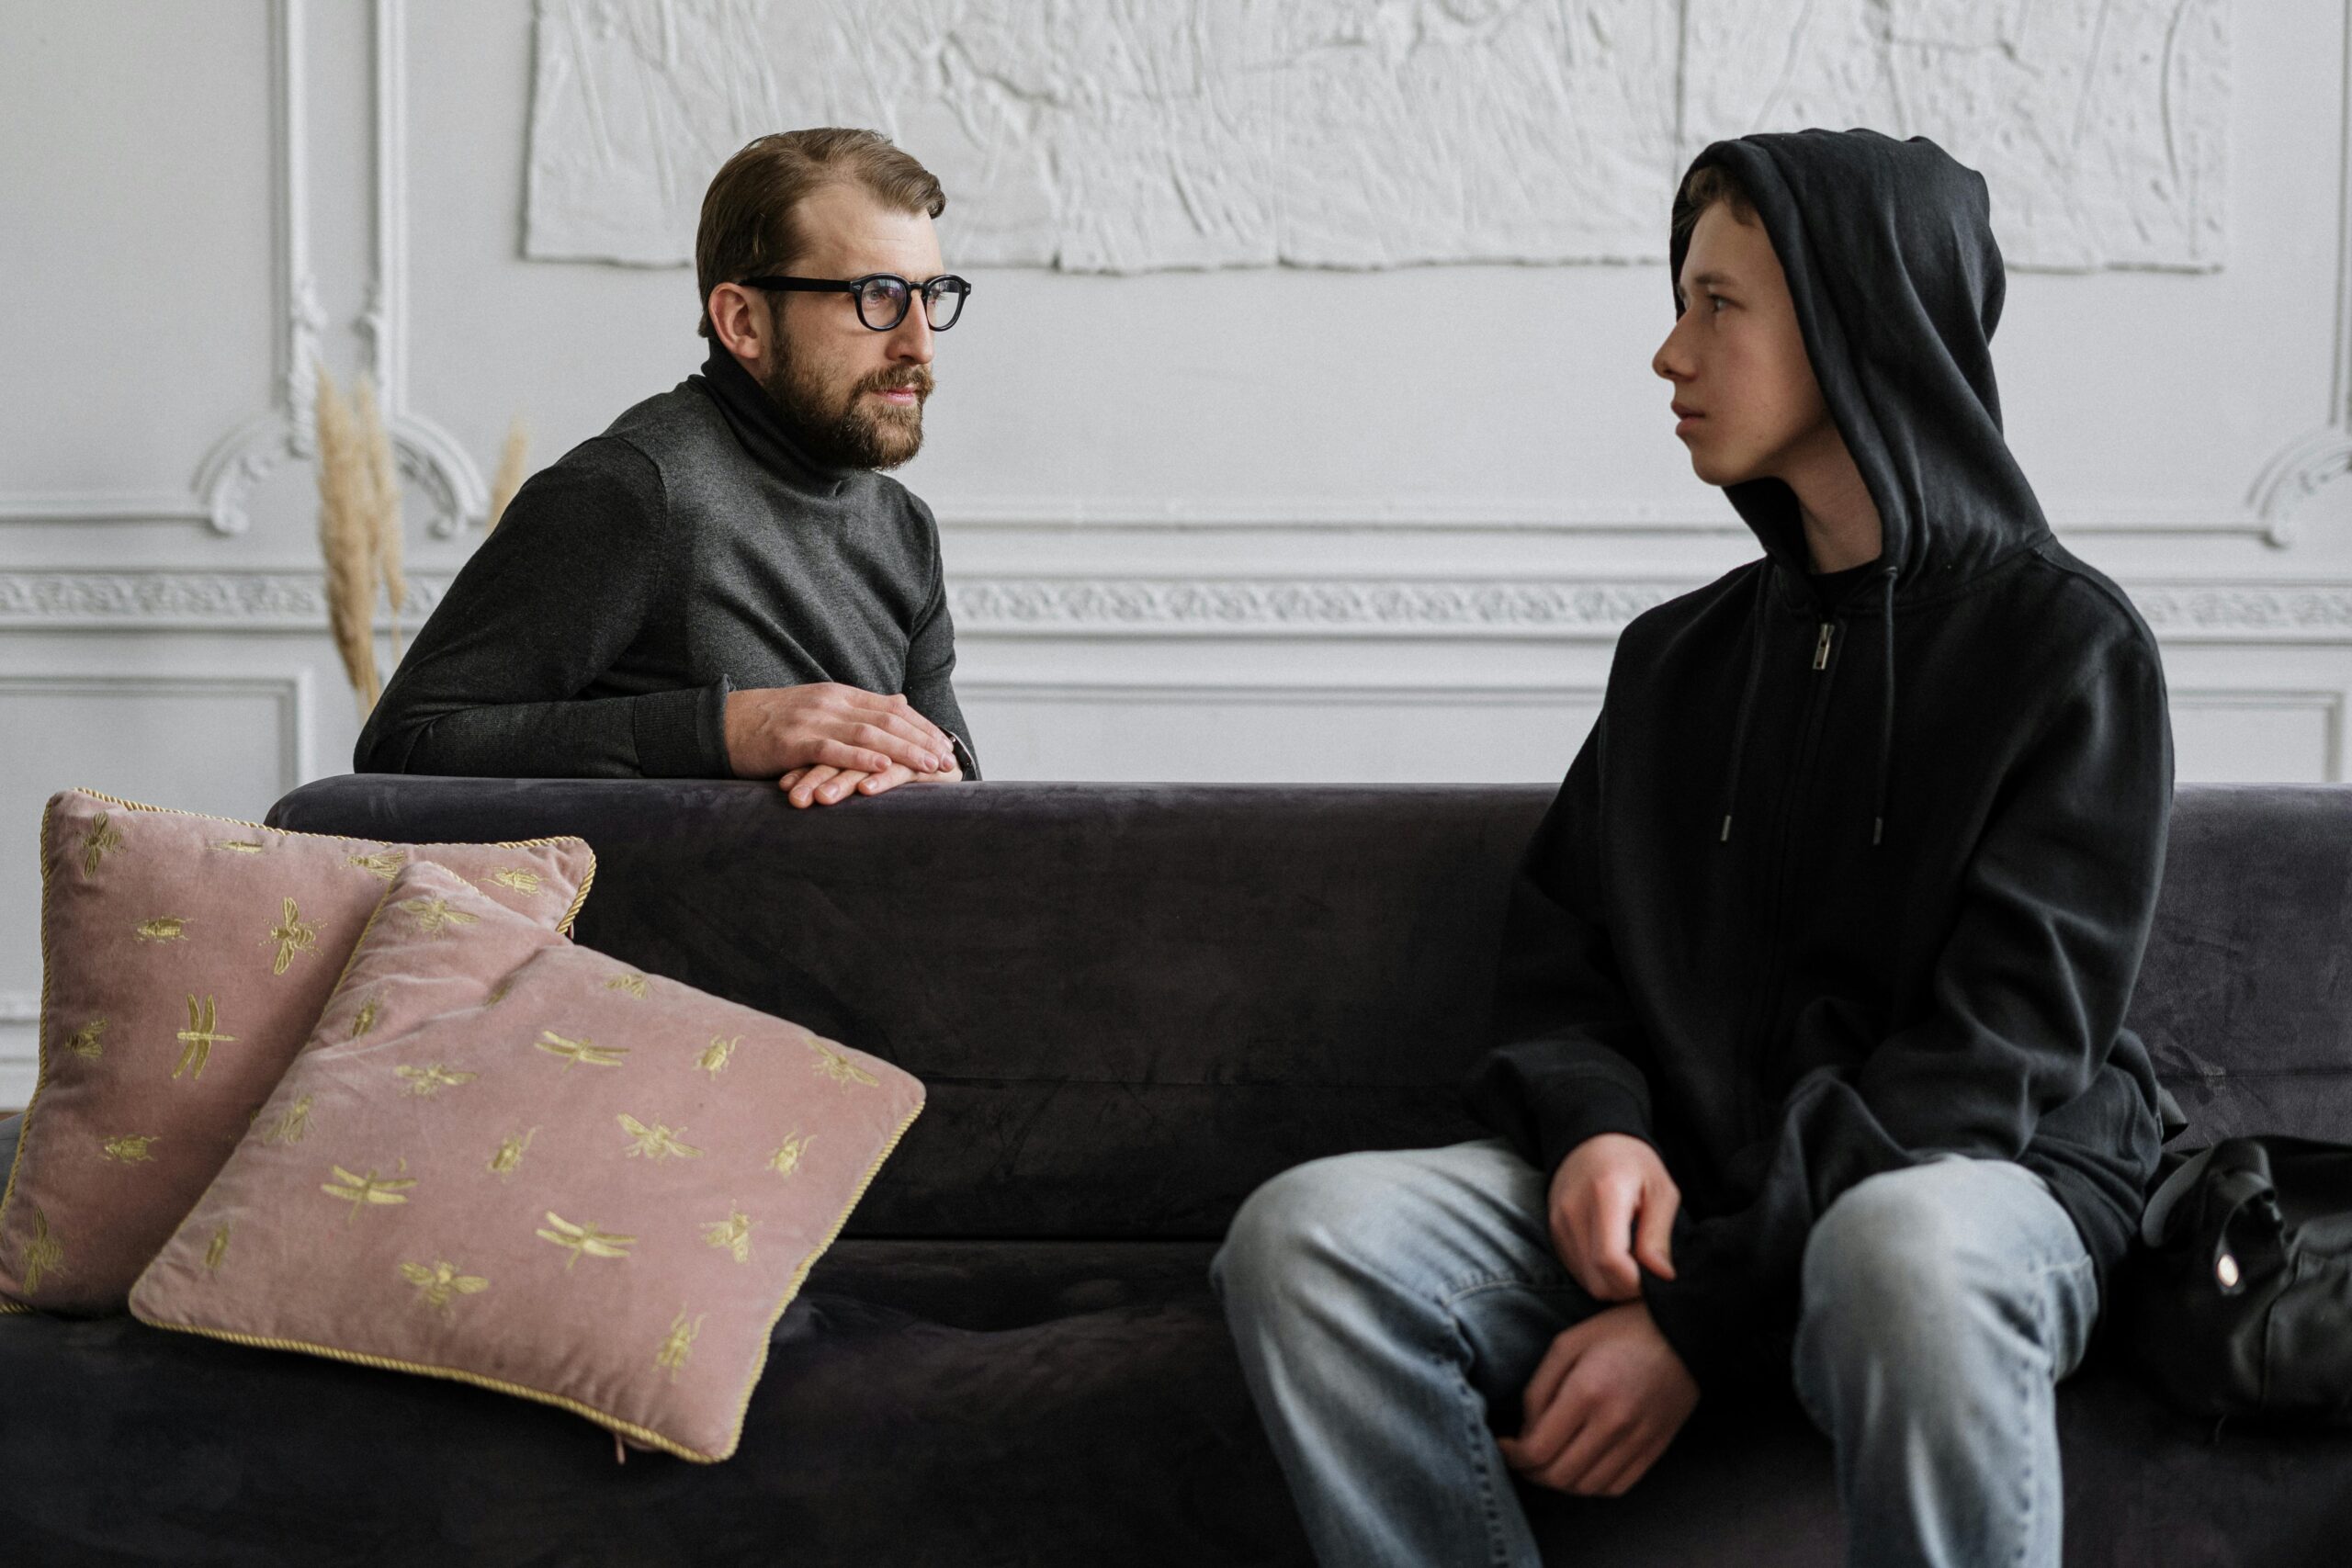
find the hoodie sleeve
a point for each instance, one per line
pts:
(546, 604)
(2029, 995)
(1569, 1060)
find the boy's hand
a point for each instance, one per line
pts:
(821, 785)
(1606, 1186)
(1606, 1400)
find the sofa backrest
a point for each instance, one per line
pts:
(1131, 1004)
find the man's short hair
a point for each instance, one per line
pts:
(748, 225)
(1701, 188)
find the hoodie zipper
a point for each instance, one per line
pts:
(1783, 844)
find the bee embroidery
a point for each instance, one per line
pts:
(361, 1191)
(237, 846)
(292, 934)
(432, 1078)
(634, 984)
(588, 1240)
(163, 928)
(131, 1148)
(102, 838)
(218, 1251)
(383, 866)
(365, 1019)
(435, 918)
(293, 1123)
(834, 1064)
(582, 1051)
(83, 1042)
(436, 1285)
(43, 1255)
(786, 1160)
(733, 1233)
(509, 1157)
(678, 1343)
(520, 880)
(200, 1035)
(713, 1059)
(655, 1143)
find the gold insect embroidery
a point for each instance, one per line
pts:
(432, 1078)
(509, 1157)
(237, 846)
(498, 992)
(383, 866)
(292, 934)
(832, 1064)
(583, 1051)
(436, 1285)
(435, 918)
(588, 1240)
(102, 838)
(131, 1148)
(43, 1255)
(293, 1123)
(360, 1191)
(786, 1160)
(514, 876)
(83, 1042)
(163, 928)
(633, 983)
(201, 1035)
(365, 1019)
(656, 1142)
(733, 1233)
(713, 1059)
(678, 1343)
(218, 1251)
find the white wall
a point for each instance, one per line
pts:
(1257, 522)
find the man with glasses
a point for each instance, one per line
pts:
(723, 583)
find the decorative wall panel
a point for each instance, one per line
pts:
(1132, 135)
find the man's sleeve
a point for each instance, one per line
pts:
(551, 598)
(931, 659)
(2029, 994)
(1568, 1060)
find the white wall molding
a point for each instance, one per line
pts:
(1122, 605)
(293, 694)
(429, 458)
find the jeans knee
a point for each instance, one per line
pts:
(1296, 1227)
(1883, 1269)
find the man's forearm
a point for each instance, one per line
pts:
(673, 734)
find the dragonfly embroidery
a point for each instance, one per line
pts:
(582, 1051)
(585, 1240)
(834, 1064)
(435, 918)
(203, 1031)
(432, 1078)
(361, 1191)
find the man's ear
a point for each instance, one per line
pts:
(740, 316)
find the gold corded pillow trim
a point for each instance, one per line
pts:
(40, 1073)
(646, 1434)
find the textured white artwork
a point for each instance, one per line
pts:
(1130, 135)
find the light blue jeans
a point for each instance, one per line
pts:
(1384, 1303)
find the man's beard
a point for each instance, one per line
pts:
(851, 430)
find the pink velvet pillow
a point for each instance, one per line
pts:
(538, 1170)
(184, 960)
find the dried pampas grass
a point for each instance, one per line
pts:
(347, 514)
(513, 467)
(383, 503)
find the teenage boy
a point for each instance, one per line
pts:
(723, 585)
(1810, 1062)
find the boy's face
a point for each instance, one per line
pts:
(1745, 396)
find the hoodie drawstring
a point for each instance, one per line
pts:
(1885, 716)
(1748, 694)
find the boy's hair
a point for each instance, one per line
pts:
(747, 224)
(1701, 188)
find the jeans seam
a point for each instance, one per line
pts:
(1473, 1408)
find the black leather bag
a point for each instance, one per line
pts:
(2238, 1301)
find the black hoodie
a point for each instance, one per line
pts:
(1830, 888)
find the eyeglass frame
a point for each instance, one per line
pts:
(855, 288)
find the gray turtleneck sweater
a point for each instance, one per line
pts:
(694, 547)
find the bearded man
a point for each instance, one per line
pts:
(724, 584)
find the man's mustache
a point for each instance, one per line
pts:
(917, 380)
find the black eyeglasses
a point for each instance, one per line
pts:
(882, 297)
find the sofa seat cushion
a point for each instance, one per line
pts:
(1049, 1403)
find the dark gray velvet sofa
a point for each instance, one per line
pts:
(1131, 1005)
